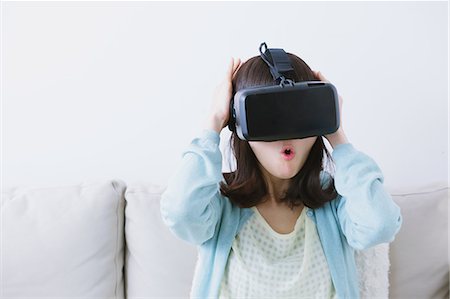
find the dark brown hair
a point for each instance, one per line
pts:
(245, 186)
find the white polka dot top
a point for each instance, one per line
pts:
(266, 264)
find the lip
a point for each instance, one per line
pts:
(291, 155)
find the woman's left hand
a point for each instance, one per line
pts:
(339, 136)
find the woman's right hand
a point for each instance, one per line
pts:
(220, 106)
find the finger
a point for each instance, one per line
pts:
(230, 67)
(315, 74)
(321, 77)
(238, 65)
(237, 62)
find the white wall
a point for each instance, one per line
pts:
(118, 90)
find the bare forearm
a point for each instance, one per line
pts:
(337, 138)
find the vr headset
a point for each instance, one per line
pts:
(287, 110)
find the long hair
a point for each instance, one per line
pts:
(245, 186)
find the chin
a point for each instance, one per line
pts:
(286, 175)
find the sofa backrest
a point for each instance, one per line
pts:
(102, 238)
(62, 242)
(419, 253)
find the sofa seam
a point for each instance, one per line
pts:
(117, 239)
(142, 191)
(418, 193)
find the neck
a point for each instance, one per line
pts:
(276, 188)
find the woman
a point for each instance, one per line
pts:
(279, 225)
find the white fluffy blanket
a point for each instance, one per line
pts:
(373, 269)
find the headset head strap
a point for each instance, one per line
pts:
(278, 62)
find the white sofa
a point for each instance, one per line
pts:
(105, 239)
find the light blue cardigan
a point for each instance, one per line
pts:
(361, 216)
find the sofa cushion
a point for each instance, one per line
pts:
(158, 264)
(419, 253)
(64, 241)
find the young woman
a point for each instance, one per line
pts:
(279, 226)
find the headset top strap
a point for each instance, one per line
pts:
(278, 62)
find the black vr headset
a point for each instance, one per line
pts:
(288, 110)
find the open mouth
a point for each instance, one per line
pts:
(287, 153)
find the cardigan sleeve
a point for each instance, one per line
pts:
(191, 204)
(367, 214)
